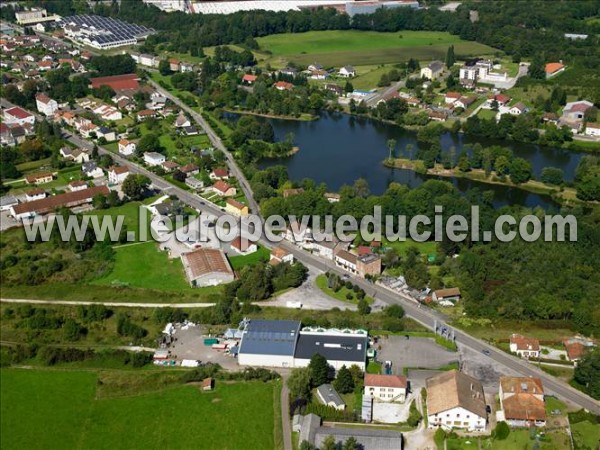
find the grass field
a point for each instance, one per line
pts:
(486, 114)
(61, 409)
(517, 439)
(586, 434)
(338, 48)
(341, 294)
(261, 255)
(144, 266)
(425, 248)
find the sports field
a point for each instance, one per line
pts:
(62, 409)
(359, 48)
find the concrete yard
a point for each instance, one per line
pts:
(392, 412)
(415, 352)
(189, 344)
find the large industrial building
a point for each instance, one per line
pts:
(282, 343)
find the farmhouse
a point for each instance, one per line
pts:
(330, 397)
(522, 401)
(207, 267)
(386, 388)
(126, 148)
(49, 204)
(433, 70)
(450, 294)
(154, 158)
(455, 400)
(524, 347)
(45, 104)
(39, 178)
(117, 174)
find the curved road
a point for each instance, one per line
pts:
(424, 316)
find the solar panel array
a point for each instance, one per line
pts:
(106, 30)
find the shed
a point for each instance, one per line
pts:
(207, 384)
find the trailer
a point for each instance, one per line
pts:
(210, 341)
(219, 347)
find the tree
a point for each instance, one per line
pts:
(299, 383)
(391, 145)
(178, 175)
(589, 186)
(395, 311)
(305, 445)
(361, 188)
(552, 175)
(148, 143)
(164, 67)
(520, 170)
(363, 307)
(536, 69)
(135, 185)
(450, 58)
(348, 88)
(501, 431)
(319, 370)
(587, 373)
(344, 383)
(329, 443)
(351, 444)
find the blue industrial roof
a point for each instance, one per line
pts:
(270, 337)
(351, 347)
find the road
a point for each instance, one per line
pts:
(424, 316)
(216, 142)
(380, 95)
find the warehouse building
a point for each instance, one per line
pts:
(281, 343)
(269, 343)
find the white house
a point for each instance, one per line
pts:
(324, 248)
(126, 148)
(524, 347)
(91, 169)
(108, 112)
(18, 116)
(449, 294)
(35, 194)
(154, 158)
(456, 400)
(117, 174)
(45, 104)
(592, 129)
(279, 254)
(347, 72)
(517, 109)
(243, 246)
(330, 397)
(346, 261)
(386, 388)
(433, 70)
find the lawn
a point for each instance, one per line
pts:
(144, 266)
(586, 434)
(487, 114)
(61, 409)
(261, 255)
(517, 439)
(62, 179)
(337, 48)
(374, 367)
(131, 214)
(339, 295)
(425, 248)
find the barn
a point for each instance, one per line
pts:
(269, 343)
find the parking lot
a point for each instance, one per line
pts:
(415, 352)
(189, 344)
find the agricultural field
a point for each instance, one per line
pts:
(360, 48)
(82, 413)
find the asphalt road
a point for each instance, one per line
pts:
(216, 142)
(423, 315)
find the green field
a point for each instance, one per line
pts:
(62, 409)
(486, 114)
(145, 266)
(237, 262)
(321, 282)
(359, 48)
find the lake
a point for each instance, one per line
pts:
(338, 148)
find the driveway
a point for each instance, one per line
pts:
(310, 296)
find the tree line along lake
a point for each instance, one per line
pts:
(338, 149)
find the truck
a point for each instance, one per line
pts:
(210, 341)
(291, 304)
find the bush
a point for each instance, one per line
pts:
(501, 431)
(414, 416)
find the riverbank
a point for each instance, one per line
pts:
(561, 194)
(302, 118)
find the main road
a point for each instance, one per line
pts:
(423, 315)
